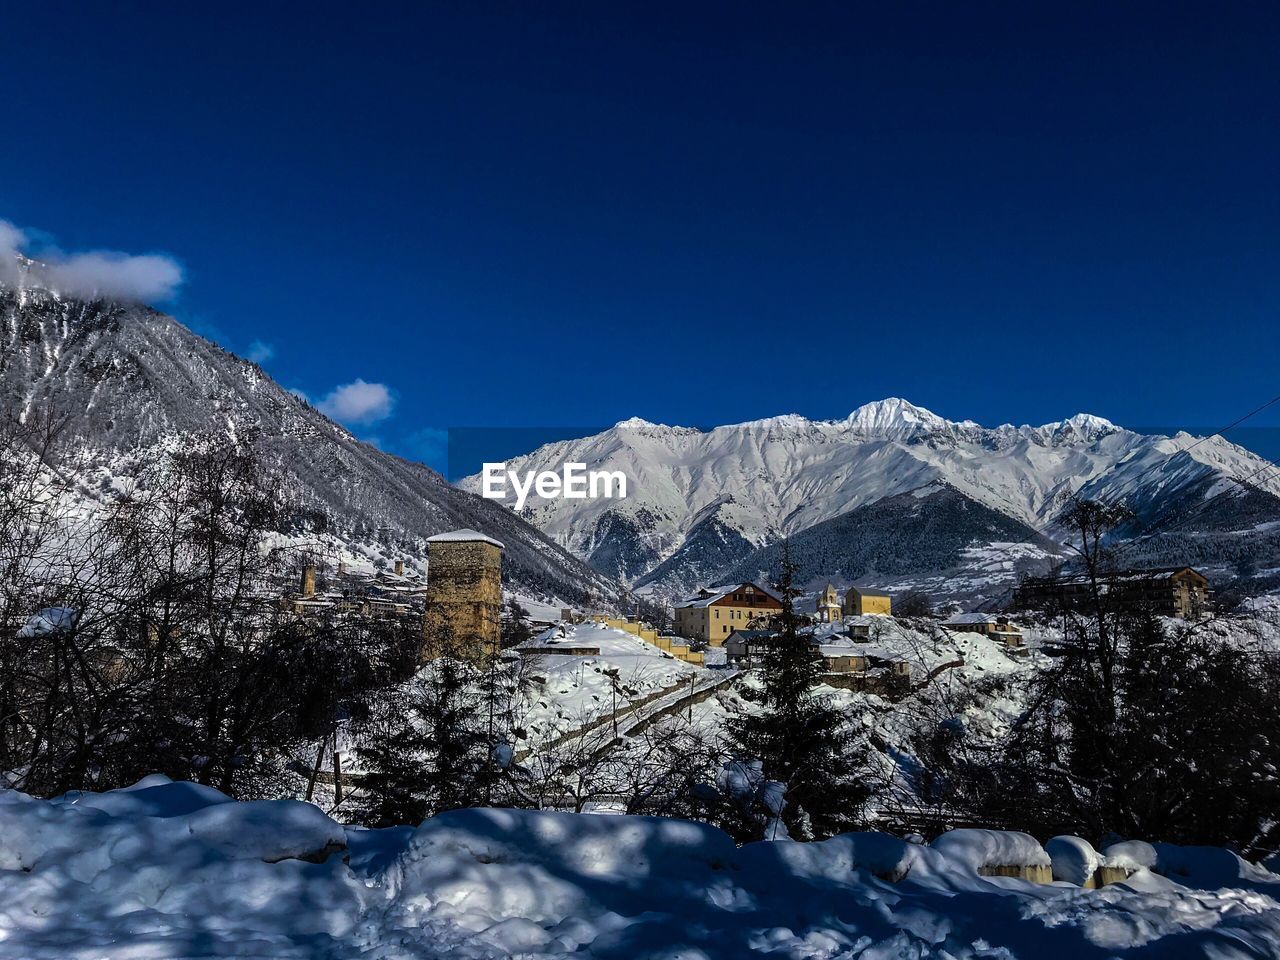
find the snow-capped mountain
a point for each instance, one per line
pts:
(133, 380)
(700, 502)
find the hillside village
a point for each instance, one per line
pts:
(720, 626)
(613, 710)
(593, 668)
(534, 481)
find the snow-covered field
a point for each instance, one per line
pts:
(172, 870)
(570, 691)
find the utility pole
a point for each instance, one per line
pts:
(337, 771)
(613, 687)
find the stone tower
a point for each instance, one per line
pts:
(307, 587)
(464, 593)
(827, 605)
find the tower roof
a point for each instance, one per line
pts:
(465, 535)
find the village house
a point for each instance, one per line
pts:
(380, 594)
(860, 600)
(866, 670)
(993, 625)
(841, 659)
(1167, 591)
(715, 612)
(745, 648)
(861, 629)
(846, 664)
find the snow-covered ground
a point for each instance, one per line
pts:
(172, 870)
(569, 691)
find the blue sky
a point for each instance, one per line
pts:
(570, 214)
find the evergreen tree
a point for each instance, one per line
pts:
(1140, 728)
(441, 741)
(393, 752)
(801, 738)
(515, 624)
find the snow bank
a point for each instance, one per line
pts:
(837, 859)
(163, 818)
(1075, 860)
(977, 849)
(1206, 868)
(153, 796)
(167, 870)
(170, 870)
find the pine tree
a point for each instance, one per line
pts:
(451, 710)
(801, 738)
(515, 624)
(393, 752)
(434, 744)
(1141, 727)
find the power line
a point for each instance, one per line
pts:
(1234, 423)
(1244, 482)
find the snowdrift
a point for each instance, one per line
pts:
(174, 870)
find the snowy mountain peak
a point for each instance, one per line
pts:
(895, 419)
(781, 423)
(701, 501)
(1083, 425)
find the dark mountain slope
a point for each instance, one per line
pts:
(912, 534)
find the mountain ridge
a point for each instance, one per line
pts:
(786, 474)
(136, 381)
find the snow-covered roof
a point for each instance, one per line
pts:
(750, 634)
(966, 619)
(1155, 573)
(709, 595)
(840, 650)
(49, 620)
(867, 592)
(466, 535)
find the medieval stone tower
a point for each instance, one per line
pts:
(464, 593)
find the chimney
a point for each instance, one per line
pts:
(309, 580)
(399, 568)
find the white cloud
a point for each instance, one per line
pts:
(11, 241)
(95, 273)
(260, 352)
(358, 403)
